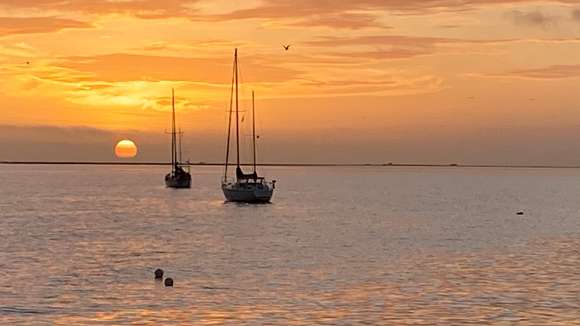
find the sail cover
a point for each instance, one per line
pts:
(241, 175)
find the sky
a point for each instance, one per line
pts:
(371, 81)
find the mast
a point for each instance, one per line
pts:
(254, 129)
(229, 125)
(173, 133)
(237, 110)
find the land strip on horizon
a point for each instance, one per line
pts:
(447, 165)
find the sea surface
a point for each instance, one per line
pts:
(338, 246)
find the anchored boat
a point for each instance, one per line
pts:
(245, 187)
(179, 177)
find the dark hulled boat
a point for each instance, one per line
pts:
(179, 177)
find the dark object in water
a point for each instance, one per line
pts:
(158, 274)
(168, 282)
(520, 213)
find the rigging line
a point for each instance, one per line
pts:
(244, 127)
(237, 111)
(229, 124)
(172, 131)
(254, 129)
(180, 158)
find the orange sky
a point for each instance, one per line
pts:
(491, 81)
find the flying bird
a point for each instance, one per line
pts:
(286, 47)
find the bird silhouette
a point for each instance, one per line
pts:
(286, 47)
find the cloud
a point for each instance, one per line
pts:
(387, 40)
(141, 81)
(394, 53)
(317, 11)
(575, 14)
(550, 72)
(377, 85)
(121, 67)
(29, 25)
(139, 8)
(344, 20)
(533, 18)
(17, 50)
(280, 9)
(391, 46)
(397, 40)
(49, 143)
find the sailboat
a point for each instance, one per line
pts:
(178, 177)
(244, 188)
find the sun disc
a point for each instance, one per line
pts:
(126, 149)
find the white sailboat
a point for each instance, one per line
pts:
(179, 177)
(245, 188)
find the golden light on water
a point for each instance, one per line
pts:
(126, 149)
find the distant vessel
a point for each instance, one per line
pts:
(245, 188)
(178, 177)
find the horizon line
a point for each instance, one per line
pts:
(442, 165)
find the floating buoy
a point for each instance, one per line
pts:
(168, 282)
(158, 274)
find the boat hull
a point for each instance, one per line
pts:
(178, 181)
(251, 194)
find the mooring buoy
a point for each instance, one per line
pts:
(158, 274)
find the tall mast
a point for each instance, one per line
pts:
(254, 129)
(229, 125)
(237, 110)
(173, 133)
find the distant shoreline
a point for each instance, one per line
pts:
(301, 164)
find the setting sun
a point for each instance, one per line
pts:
(126, 149)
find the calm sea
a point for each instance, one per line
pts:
(338, 246)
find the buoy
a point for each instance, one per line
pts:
(169, 282)
(158, 274)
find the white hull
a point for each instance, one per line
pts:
(248, 192)
(248, 187)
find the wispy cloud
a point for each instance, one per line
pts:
(135, 67)
(29, 25)
(378, 85)
(307, 8)
(344, 20)
(314, 11)
(534, 18)
(575, 15)
(385, 47)
(550, 72)
(139, 8)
